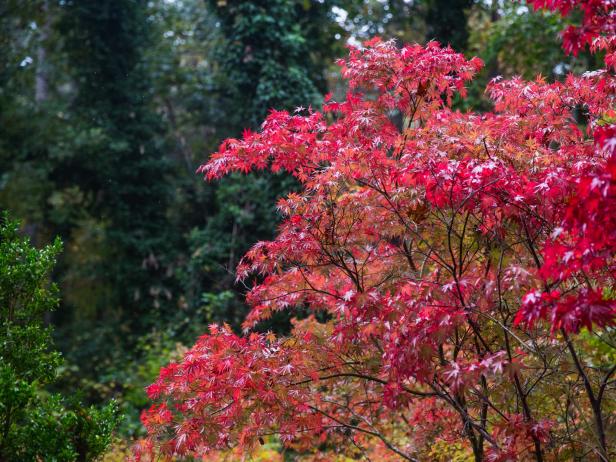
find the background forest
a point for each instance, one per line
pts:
(107, 108)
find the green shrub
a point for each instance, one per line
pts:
(36, 425)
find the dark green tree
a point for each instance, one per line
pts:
(35, 425)
(271, 55)
(265, 58)
(118, 167)
(29, 110)
(446, 22)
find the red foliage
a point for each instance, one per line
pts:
(452, 256)
(598, 26)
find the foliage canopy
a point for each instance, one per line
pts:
(464, 262)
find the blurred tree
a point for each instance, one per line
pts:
(29, 120)
(399, 19)
(406, 21)
(513, 39)
(270, 55)
(447, 22)
(265, 59)
(117, 171)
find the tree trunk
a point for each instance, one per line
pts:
(41, 81)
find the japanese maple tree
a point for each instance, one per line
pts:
(462, 266)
